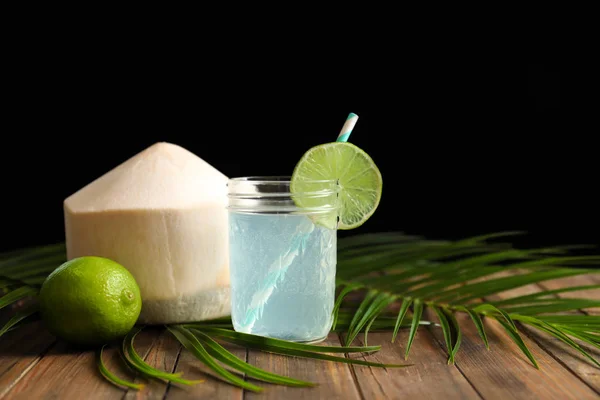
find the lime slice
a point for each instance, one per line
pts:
(358, 177)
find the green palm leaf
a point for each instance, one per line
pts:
(486, 309)
(403, 309)
(478, 324)
(587, 338)
(514, 335)
(456, 335)
(17, 319)
(16, 295)
(557, 333)
(221, 354)
(368, 310)
(292, 349)
(112, 377)
(451, 331)
(255, 342)
(193, 345)
(340, 298)
(417, 312)
(136, 363)
(452, 277)
(445, 329)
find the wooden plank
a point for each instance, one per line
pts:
(504, 372)
(162, 355)
(21, 350)
(212, 388)
(575, 366)
(586, 371)
(66, 372)
(335, 379)
(571, 359)
(429, 378)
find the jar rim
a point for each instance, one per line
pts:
(273, 193)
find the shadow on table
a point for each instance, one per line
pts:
(27, 340)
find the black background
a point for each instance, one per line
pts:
(464, 149)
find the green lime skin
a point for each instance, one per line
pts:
(90, 301)
(359, 180)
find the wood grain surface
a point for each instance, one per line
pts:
(34, 365)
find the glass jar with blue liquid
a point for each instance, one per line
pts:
(282, 257)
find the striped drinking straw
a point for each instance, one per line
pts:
(347, 128)
(279, 267)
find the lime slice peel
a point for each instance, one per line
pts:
(360, 181)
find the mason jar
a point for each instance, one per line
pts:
(282, 257)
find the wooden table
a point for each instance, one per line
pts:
(33, 365)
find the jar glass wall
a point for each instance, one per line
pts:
(282, 257)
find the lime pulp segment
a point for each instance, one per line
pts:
(358, 177)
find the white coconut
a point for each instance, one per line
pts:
(162, 215)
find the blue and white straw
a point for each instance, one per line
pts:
(275, 275)
(347, 128)
(279, 267)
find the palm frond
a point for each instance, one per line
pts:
(136, 363)
(512, 331)
(451, 277)
(456, 335)
(478, 324)
(558, 334)
(417, 312)
(22, 273)
(451, 330)
(199, 339)
(192, 344)
(372, 305)
(18, 318)
(406, 302)
(112, 377)
(284, 347)
(224, 356)
(16, 295)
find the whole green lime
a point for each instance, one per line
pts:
(90, 301)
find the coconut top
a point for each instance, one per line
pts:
(164, 176)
